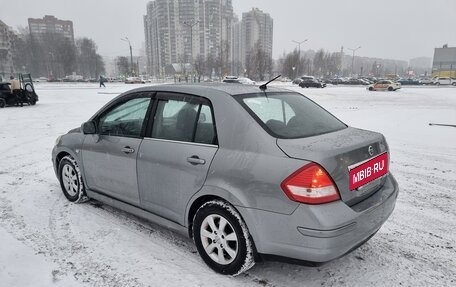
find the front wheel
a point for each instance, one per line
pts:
(71, 180)
(222, 238)
(2, 103)
(371, 89)
(390, 89)
(31, 100)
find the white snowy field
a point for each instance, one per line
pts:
(46, 241)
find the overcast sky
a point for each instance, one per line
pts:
(397, 29)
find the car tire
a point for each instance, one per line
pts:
(2, 103)
(371, 89)
(390, 89)
(30, 98)
(454, 84)
(71, 180)
(222, 238)
(437, 84)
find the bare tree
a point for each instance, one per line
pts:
(319, 62)
(21, 52)
(210, 65)
(200, 66)
(250, 65)
(292, 64)
(222, 61)
(90, 63)
(123, 66)
(258, 63)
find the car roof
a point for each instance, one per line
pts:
(204, 89)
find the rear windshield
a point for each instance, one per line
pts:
(289, 115)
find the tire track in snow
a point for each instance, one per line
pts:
(75, 255)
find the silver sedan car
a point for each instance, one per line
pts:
(247, 173)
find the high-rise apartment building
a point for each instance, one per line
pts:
(256, 28)
(236, 47)
(178, 31)
(50, 25)
(6, 44)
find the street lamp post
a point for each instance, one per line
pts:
(299, 52)
(190, 25)
(51, 66)
(131, 53)
(353, 57)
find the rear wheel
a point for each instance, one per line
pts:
(454, 84)
(2, 103)
(222, 238)
(31, 99)
(71, 180)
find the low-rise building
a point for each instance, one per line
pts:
(444, 64)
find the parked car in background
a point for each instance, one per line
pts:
(425, 81)
(297, 81)
(338, 81)
(384, 85)
(244, 171)
(41, 79)
(409, 81)
(444, 81)
(238, 80)
(134, 80)
(312, 83)
(355, 81)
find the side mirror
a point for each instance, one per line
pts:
(89, 128)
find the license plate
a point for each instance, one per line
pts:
(368, 171)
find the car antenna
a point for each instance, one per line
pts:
(264, 86)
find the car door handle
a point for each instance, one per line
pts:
(128, 150)
(195, 160)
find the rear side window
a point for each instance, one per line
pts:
(289, 115)
(184, 120)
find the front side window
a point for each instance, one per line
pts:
(289, 115)
(184, 120)
(126, 119)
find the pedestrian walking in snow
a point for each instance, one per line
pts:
(102, 80)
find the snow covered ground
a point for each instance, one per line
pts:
(46, 241)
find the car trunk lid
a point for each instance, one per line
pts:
(337, 152)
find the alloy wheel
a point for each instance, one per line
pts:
(70, 180)
(219, 239)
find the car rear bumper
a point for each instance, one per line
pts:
(320, 233)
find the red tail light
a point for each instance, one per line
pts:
(310, 184)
